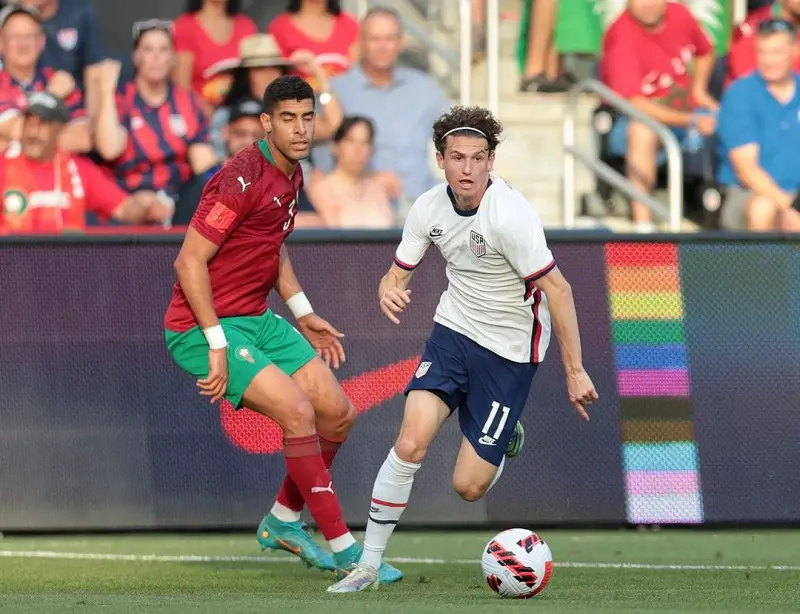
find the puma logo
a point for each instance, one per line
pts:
(320, 489)
(244, 185)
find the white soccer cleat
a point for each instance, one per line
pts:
(362, 578)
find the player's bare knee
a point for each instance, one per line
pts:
(300, 420)
(469, 490)
(341, 420)
(408, 449)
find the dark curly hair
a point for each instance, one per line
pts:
(333, 7)
(289, 87)
(469, 119)
(234, 7)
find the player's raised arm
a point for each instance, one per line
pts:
(526, 249)
(320, 333)
(393, 291)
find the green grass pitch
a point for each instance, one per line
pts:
(596, 571)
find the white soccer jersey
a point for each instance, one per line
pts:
(494, 254)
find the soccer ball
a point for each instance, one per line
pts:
(517, 564)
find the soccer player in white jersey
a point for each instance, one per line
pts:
(491, 328)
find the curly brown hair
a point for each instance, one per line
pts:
(470, 118)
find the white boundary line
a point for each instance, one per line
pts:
(189, 558)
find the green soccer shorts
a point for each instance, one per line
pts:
(254, 342)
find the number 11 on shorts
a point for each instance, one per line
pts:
(490, 440)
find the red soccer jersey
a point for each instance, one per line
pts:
(14, 94)
(334, 54)
(742, 55)
(208, 55)
(248, 210)
(636, 62)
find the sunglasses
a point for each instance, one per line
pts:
(141, 27)
(775, 25)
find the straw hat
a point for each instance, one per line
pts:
(259, 51)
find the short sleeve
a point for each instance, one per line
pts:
(103, 195)
(415, 241)
(522, 242)
(93, 48)
(224, 204)
(736, 124)
(702, 44)
(183, 35)
(622, 71)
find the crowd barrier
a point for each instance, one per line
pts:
(694, 346)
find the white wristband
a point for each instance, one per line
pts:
(299, 305)
(215, 337)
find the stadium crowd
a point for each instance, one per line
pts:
(92, 140)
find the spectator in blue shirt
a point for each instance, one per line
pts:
(402, 103)
(759, 134)
(74, 42)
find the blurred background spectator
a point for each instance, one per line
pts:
(23, 41)
(401, 102)
(207, 39)
(759, 131)
(350, 196)
(318, 29)
(244, 126)
(153, 132)
(742, 56)
(646, 58)
(74, 42)
(542, 67)
(260, 62)
(46, 189)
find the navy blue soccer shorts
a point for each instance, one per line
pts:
(488, 390)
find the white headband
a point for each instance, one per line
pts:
(449, 132)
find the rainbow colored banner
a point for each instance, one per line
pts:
(659, 451)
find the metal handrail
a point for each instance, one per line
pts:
(571, 153)
(492, 55)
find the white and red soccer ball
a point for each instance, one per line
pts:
(517, 564)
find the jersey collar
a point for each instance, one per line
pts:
(461, 212)
(262, 145)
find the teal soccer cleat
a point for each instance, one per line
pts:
(517, 441)
(274, 534)
(347, 560)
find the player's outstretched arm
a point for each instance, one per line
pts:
(393, 292)
(565, 322)
(191, 266)
(320, 333)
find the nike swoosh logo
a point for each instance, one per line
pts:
(257, 434)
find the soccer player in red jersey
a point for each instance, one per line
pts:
(220, 329)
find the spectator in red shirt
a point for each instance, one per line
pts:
(22, 40)
(317, 28)
(646, 56)
(207, 39)
(48, 190)
(742, 54)
(153, 132)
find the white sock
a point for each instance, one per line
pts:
(497, 474)
(389, 498)
(342, 543)
(284, 514)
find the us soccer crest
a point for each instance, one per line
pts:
(178, 125)
(477, 244)
(423, 369)
(67, 38)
